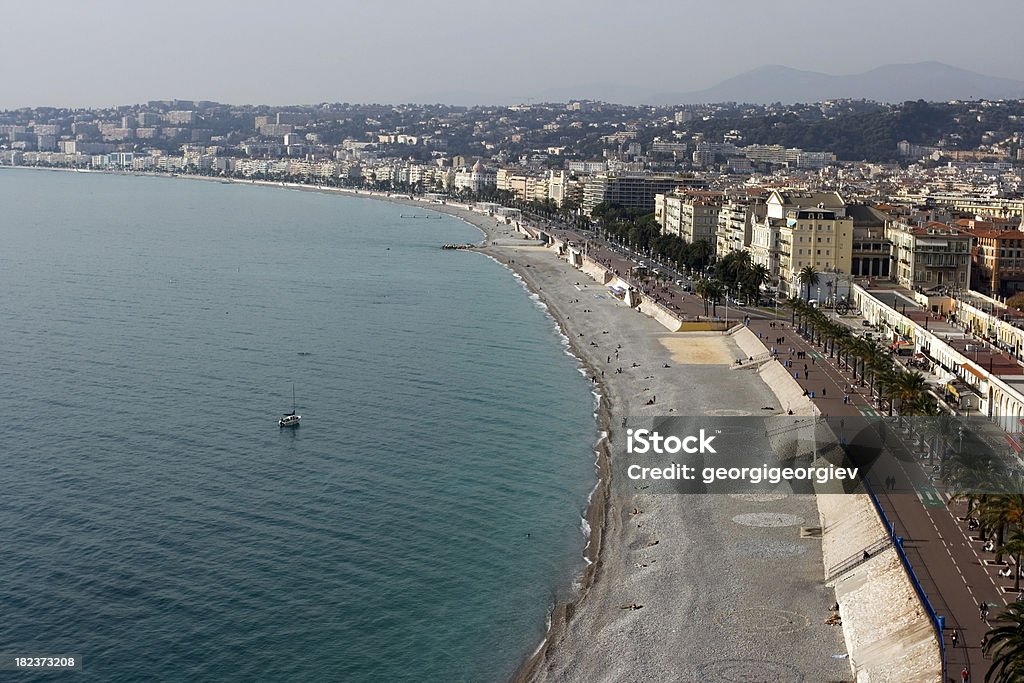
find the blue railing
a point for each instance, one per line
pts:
(938, 621)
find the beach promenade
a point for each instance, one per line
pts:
(697, 587)
(952, 567)
(691, 587)
(677, 588)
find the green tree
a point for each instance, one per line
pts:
(808, 277)
(1005, 645)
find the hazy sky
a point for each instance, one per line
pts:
(104, 52)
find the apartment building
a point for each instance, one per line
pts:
(564, 188)
(930, 256)
(524, 186)
(997, 261)
(816, 238)
(871, 251)
(632, 190)
(736, 219)
(692, 215)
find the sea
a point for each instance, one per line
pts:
(156, 521)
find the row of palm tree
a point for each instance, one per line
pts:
(1000, 513)
(905, 391)
(977, 474)
(994, 494)
(641, 232)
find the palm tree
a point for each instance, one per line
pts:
(1005, 645)
(939, 431)
(752, 279)
(714, 293)
(808, 277)
(701, 290)
(911, 388)
(1015, 546)
(1004, 508)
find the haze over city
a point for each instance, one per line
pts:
(67, 53)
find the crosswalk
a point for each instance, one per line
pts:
(868, 411)
(929, 497)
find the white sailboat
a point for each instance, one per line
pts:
(290, 419)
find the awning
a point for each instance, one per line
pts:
(973, 370)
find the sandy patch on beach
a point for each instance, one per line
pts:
(696, 349)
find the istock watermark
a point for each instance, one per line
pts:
(930, 457)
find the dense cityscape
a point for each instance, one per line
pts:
(888, 236)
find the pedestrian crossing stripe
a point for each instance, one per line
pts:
(929, 497)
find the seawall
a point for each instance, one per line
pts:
(888, 633)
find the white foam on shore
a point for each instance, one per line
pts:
(547, 629)
(583, 369)
(585, 528)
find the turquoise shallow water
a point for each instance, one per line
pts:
(156, 520)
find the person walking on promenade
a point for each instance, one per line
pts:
(965, 675)
(954, 637)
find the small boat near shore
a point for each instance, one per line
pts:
(291, 419)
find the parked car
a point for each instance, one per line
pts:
(865, 323)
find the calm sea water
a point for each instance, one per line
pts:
(155, 520)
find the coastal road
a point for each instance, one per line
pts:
(950, 566)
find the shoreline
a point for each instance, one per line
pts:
(595, 512)
(578, 638)
(560, 654)
(597, 506)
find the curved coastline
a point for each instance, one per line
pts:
(561, 654)
(595, 512)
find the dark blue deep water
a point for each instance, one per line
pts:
(156, 521)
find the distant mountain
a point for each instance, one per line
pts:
(930, 81)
